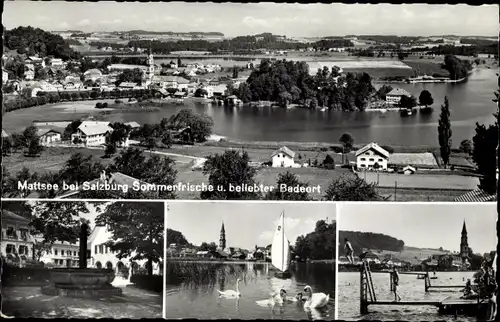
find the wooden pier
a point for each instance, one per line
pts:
(450, 305)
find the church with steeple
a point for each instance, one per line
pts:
(464, 245)
(150, 71)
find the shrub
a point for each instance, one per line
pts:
(117, 101)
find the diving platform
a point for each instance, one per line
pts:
(449, 305)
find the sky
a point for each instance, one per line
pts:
(246, 224)
(425, 225)
(233, 19)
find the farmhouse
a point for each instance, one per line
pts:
(16, 239)
(91, 133)
(49, 137)
(372, 156)
(394, 96)
(283, 158)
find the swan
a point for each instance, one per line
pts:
(296, 298)
(315, 300)
(3, 316)
(231, 293)
(275, 299)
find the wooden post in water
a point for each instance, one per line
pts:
(427, 282)
(363, 299)
(391, 281)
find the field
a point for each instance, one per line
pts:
(419, 195)
(382, 72)
(412, 255)
(427, 67)
(422, 181)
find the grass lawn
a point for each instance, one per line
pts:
(422, 181)
(426, 67)
(420, 195)
(52, 159)
(29, 302)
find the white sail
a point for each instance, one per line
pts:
(280, 249)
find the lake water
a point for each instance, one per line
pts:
(410, 288)
(199, 299)
(470, 102)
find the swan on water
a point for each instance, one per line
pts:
(296, 298)
(275, 299)
(315, 300)
(231, 293)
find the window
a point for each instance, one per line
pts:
(363, 159)
(96, 250)
(10, 232)
(380, 160)
(62, 252)
(101, 249)
(363, 165)
(10, 249)
(23, 250)
(372, 159)
(55, 251)
(24, 234)
(74, 253)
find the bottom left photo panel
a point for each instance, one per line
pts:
(82, 259)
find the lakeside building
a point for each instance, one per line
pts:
(394, 96)
(49, 137)
(283, 158)
(372, 156)
(92, 74)
(61, 254)
(92, 133)
(17, 242)
(165, 82)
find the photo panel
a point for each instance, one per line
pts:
(251, 260)
(276, 103)
(413, 262)
(82, 259)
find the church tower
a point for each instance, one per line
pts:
(464, 245)
(222, 239)
(151, 66)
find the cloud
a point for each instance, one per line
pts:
(255, 22)
(294, 228)
(84, 22)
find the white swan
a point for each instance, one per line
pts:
(275, 299)
(285, 298)
(231, 293)
(315, 300)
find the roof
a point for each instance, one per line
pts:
(477, 195)
(373, 146)
(177, 79)
(284, 150)
(94, 127)
(6, 214)
(133, 124)
(51, 131)
(127, 84)
(126, 66)
(93, 71)
(4, 134)
(398, 92)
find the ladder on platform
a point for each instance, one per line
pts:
(366, 288)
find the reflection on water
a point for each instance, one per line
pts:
(410, 288)
(192, 290)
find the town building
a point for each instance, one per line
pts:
(49, 137)
(61, 254)
(222, 238)
(372, 156)
(17, 242)
(394, 96)
(165, 82)
(101, 255)
(283, 158)
(91, 133)
(92, 74)
(464, 247)
(56, 62)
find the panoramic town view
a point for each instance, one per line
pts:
(73, 259)
(432, 262)
(277, 102)
(281, 267)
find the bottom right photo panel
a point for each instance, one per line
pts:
(406, 261)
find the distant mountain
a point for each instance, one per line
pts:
(68, 31)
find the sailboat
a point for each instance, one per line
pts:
(280, 250)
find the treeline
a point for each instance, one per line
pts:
(456, 67)
(289, 82)
(35, 41)
(171, 33)
(491, 49)
(56, 97)
(319, 244)
(360, 240)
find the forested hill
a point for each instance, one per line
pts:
(360, 240)
(35, 41)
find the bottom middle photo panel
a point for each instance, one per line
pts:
(251, 260)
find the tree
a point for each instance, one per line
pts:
(130, 75)
(235, 71)
(210, 247)
(35, 148)
(110, 149)
(425, 98)
(465, 146)
(40, 247)
(176, 237)
(79, 169)
(137, 230)
(444, 132)
(6, 146)
(30, 133)
(347, 188)
(408, 102)
(287, 179)
(230, 169)
(319, 244)
(485, 143)
(200, 92)
(347, 143)
(10, 185)
(179, 62)
(70, 129)
(200, 124)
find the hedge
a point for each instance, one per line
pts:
(52, 97)
(24, 276)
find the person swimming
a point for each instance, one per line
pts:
(349, 251)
